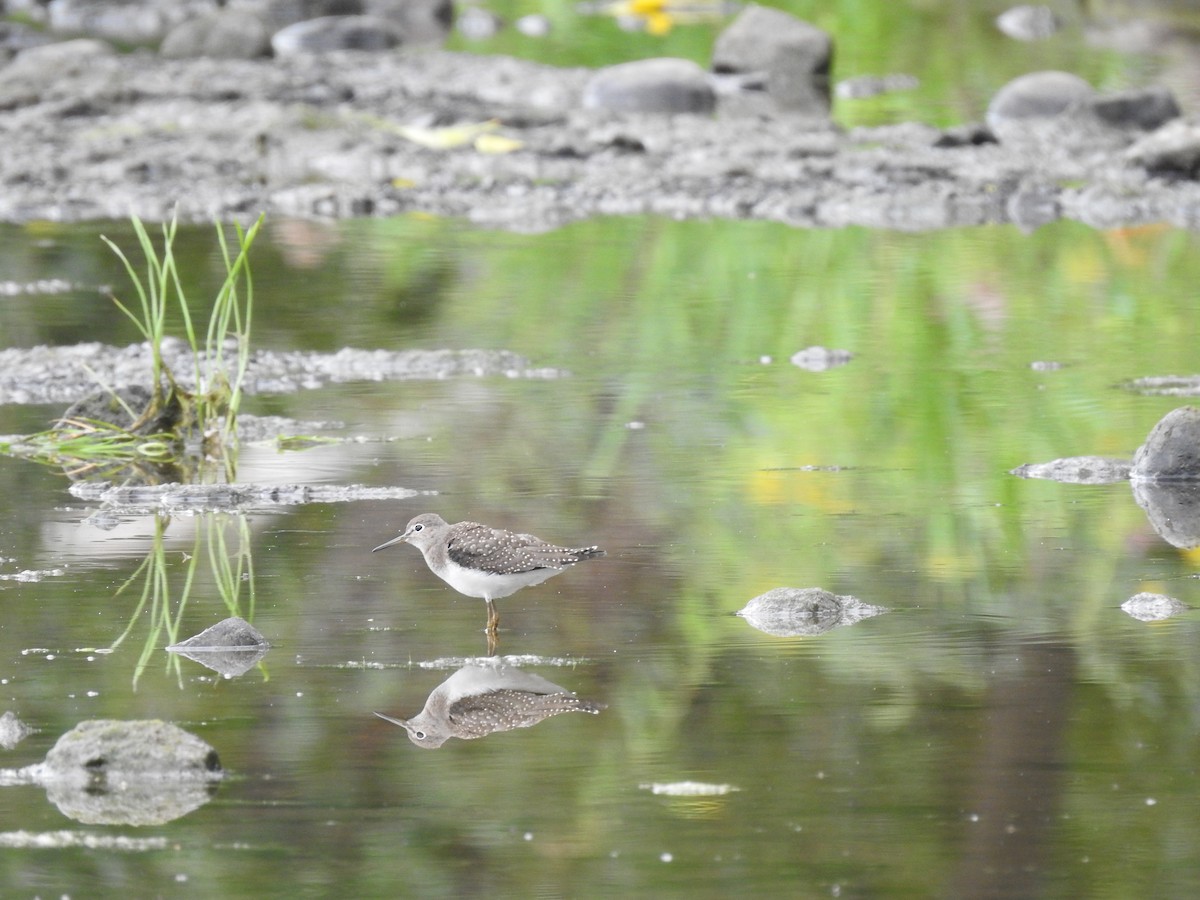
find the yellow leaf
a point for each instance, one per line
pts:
(497, 143)
(446, 138)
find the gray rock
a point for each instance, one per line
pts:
(1028, 23)
(123, 21)
(420, 21)
(103, 752)
(793, 612)
(1143, 109)
(330, 33)
(662, 85)
(49, 62)
(231, 647)
(1077, 470)
(1039, 95)
(820, 359)
(223, 34)
(478, 24)
(278, 14)
(863, 86)
(17, 36)
(534, 25)
(794, 56)
(12, 730)
(1056, 112)
(1173, 150)
(1033, 204)
(1172, 449)
(128, 772)
(1153, 607)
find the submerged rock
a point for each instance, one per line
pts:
(791, 612)
(1153, 607)
(12, 730)
(819, 359)
(1077, 470)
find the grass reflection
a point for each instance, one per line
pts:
(223, 541)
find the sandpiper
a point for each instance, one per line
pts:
(486, 562)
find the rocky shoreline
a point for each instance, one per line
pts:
(91, 134)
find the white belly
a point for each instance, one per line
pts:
(485, 585)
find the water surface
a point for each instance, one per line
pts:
(1005, 730)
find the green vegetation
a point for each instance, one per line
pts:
(169, 421)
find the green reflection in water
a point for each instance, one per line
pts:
(162, 600)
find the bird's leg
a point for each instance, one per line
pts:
(491, 642)
(493, 617)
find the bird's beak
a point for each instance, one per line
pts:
(399, 722)
(396, 540)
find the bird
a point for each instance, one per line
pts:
(486, 696)
(486, 562)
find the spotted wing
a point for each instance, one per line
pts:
(482, 714)
(476, 546)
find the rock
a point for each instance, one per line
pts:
(819, 359)
(420, 21)
(478, 24)
(12, 730)
(223, 34)
(1172, 150)
(1172, 449)
(863, 86)
(330, 33)
(1039, 95)
(1028, 23)
(1053, 112)
(123, 21)
(534, 25)
(794, 56)
(48, 62)
(278, 14)
(1077, 470)
(128, 772)
(17, 36)
(1033, 204)
(791, 612)
(1144, 109)
(231, 647)
(663, 85)
(1153, 607)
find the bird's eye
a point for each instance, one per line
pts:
(418, 528)
(419, 735)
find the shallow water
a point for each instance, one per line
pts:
(1004, 730)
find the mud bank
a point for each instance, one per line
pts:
(320, 136)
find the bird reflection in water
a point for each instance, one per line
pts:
(486, 696)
